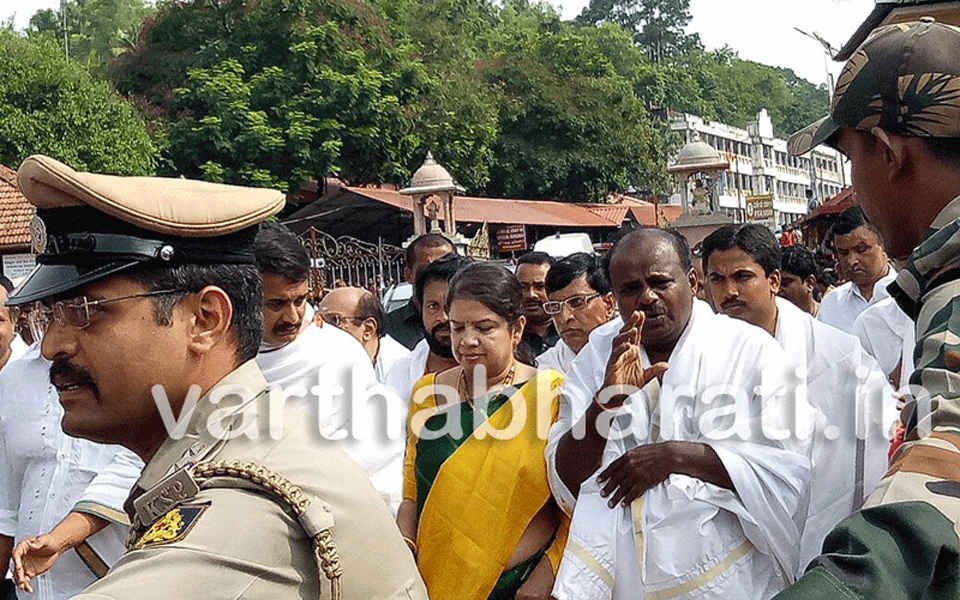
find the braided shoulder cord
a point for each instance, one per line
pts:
(290, 496)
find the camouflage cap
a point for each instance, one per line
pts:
(905, 79)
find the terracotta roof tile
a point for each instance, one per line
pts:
(15, 213)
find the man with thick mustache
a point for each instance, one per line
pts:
(539, 333)
(302, 354)
(863, 262)
(150, 304)
(841, 384)
(660, 488)
(433, 353)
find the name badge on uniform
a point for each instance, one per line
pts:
(155, 502)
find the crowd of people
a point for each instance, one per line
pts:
(655, 422)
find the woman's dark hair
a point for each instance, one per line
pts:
(498, 290)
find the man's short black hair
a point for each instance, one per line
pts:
(279, 252)
(754, 239)
(680, 245)
(442, 269)
(535, 257)
(6, 283)
(369, 307)
(945, 149)
(798, 261)
(427, 240)
(568, 269)
(850, 219)
(242, 284)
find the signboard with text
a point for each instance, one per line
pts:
(16, 266)
(511, 238)
(759, 207)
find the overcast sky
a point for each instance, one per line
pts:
(763, 30)
(759, 30)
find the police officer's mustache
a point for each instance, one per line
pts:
(66, 376)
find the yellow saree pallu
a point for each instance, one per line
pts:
(486, 492)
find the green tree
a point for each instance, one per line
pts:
(275, 92)
(571, 127)
(51, 105)
(656, 25)
(96, 30)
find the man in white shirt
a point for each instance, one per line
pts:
(324, 367)
(433, 353)
(838, 385)
(863, 261)
(667, 501)
(579, 301)
(7, 325)
(359, 313)
(61, 497)
(881, 328)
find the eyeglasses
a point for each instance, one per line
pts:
(76, 312)
(553, 307)
(335, 319)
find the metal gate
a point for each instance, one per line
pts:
(336, 262)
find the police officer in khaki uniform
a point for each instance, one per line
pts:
(150, 304)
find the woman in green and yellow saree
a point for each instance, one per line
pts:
(477, 510)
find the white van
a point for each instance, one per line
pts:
(565, 244)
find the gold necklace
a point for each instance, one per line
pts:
(509, 380)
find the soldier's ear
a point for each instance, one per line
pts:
(894, 152)
(210, 312)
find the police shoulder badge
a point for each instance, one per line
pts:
(172, 526)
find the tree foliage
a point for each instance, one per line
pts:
(51, 105)
(96, 30)
(656, 25)
(514, 101)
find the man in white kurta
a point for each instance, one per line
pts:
(46, 474)
(852, 399)
(328, 370)
(881, 328)
(684, 536)
(844, 405)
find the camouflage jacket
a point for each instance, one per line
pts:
(905, 542)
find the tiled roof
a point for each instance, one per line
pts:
(496, 210)
(15, 213)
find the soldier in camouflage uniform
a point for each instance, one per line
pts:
(896, 115)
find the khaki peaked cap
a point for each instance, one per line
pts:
(89, 226)
(181, 207)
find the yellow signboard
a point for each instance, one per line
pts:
(759, 207)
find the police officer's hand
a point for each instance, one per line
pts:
(34, 556)
(540, 583)
(624, 369)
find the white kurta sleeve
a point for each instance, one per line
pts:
(9, 496)
(105, 495)
(582, 380)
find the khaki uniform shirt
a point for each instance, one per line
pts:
(234, 541)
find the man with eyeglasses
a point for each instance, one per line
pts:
(358, 312)
(74, 535)
(152, 305)
(318, 366)
(579, 301)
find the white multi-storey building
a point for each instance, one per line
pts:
(759, 164)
